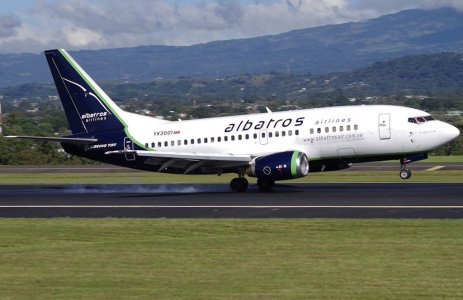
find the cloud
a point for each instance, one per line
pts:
(93, 24)
(9, 25)
(230, 11)
(81, 37)
(294, 5)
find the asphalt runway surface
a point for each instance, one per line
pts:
(342, 200)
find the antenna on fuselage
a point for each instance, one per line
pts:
(268, 110)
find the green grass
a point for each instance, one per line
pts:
(230, 259)
(154, 178)
(444, 159)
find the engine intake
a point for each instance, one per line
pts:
(280, 166)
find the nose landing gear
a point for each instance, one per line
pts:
(405, 173)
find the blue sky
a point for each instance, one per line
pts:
(35, 25)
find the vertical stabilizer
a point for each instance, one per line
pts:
(88, 108)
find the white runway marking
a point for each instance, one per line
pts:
(241, 206)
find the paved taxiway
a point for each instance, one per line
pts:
(346, 200)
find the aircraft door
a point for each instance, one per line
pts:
(128, 145)
(384, 126)
(263, 137)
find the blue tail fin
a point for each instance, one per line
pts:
(87, 107)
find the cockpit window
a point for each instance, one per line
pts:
(419, 120)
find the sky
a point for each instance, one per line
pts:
(32, 26)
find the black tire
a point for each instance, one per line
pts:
(405, 174)
(265, 185)
(239, 185)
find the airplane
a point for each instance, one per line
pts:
(270, 146)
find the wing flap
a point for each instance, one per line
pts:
(189, 162)
(220, 157)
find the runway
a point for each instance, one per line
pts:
(343, 200)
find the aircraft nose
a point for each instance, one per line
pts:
(450, 132)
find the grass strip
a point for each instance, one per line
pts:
(230, 259)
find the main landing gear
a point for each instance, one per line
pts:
(405, 173)
(265, 185)
(239, 184)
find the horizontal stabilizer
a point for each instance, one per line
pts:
(55, 139)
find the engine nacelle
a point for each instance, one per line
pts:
(280, 166)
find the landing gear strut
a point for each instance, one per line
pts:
(405, 173)
(239, 184)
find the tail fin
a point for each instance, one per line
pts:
(88, 108)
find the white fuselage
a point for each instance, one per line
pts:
(322, 133)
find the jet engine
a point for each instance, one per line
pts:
(280, 166)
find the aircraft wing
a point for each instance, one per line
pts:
(189, 161)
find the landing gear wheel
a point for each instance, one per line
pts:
(405, 173)
(239, 184)
(265, 185)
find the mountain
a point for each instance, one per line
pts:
(431, 74)
(318, 50)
